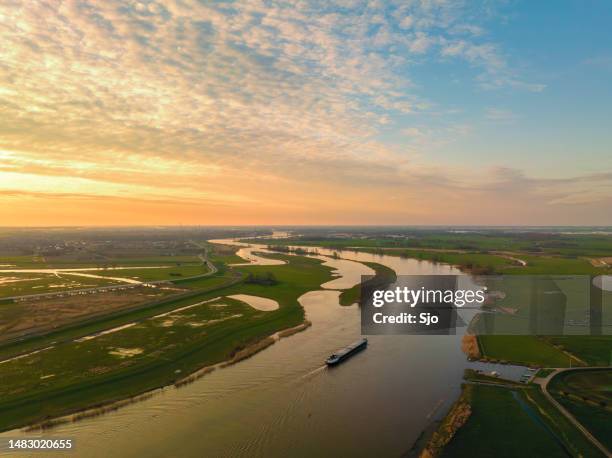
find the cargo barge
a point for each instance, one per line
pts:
(347, 352)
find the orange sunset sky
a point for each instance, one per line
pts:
(352, 112)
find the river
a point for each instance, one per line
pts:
(284, 402)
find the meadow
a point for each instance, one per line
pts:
(587, 394)
(82, 369)
(519, 422)
(527, 350)
(594, 350)
(145, 268)
(534, 241)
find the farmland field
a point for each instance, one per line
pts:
(587, 394)
(507, 420)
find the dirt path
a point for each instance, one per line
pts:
(511, 257)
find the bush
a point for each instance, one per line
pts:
(267, 279)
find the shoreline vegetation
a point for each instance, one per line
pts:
(456, 417)
(299, 328)
(91, 412)
(469, 346)
(241, 354)
(112, 406)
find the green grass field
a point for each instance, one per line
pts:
(594, 350)
(588, 396)
(25, 261)
(543, 373)
(535, 242)
(545, 265)
(596, 419)
(19, 284)
(223, 253)
(595, 384)
(76, 362)
(95, 324)
(508, 423)
(205, 282)
(152, 268)
(59, 262)
(497, 263)
(156, 274)
(475, 376)
(295, 278)
(574, 440)
(73, 375)
(529, 350)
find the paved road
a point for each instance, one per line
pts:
(503, 385)
(212, 269)
(544, 384)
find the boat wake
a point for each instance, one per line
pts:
(314, 372)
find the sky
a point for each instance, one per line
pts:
(404, 112)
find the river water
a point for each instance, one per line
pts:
(284, 401)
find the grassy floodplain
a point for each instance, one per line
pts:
(18, 284)
(142, 268)
(533, 241)
(527, 350)
(594, 350)
(515, 422)
(150, 352)
(93, 324)
(587, 394)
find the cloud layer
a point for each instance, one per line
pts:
(252, 112)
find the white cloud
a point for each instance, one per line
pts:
(420, 43)
(406, 22)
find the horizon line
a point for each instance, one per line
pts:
(483, 226)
